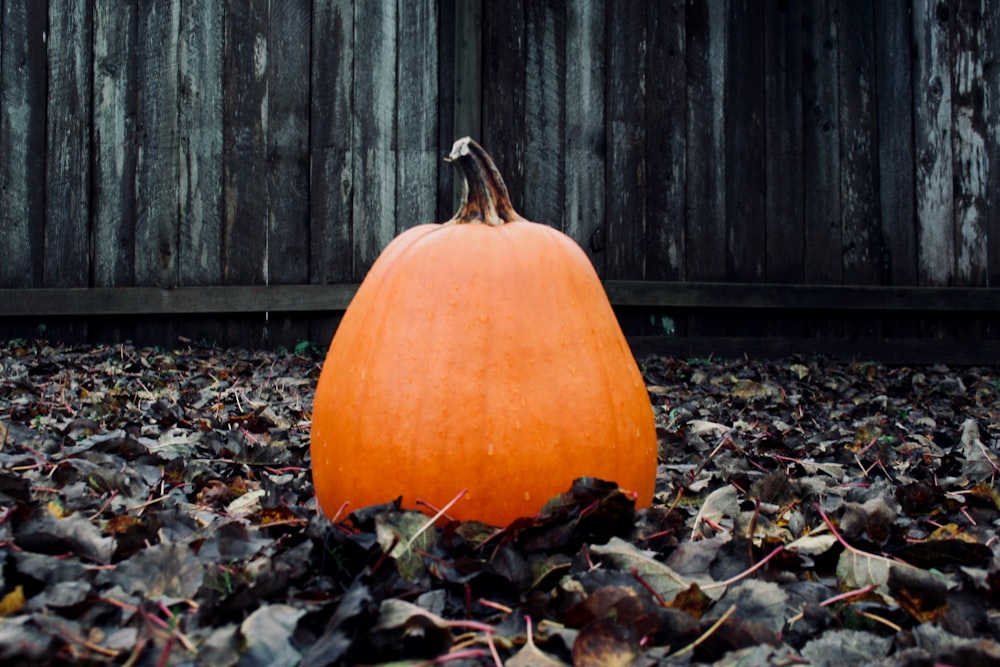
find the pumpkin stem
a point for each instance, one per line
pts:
(484, 197)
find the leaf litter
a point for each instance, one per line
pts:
(156, 508)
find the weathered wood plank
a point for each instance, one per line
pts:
(156, 175)
(374, 141)
(287, 152)
(969, 142)
(893, 86)
(991, 81)
(744, 140)
(783, 178)
(460, 83)
(114, 143)
(784, 189)
(832, 298)
(22, 141)
(665, 135)
(585, 115)
(860, 228)
(331, 175)
(115, 301)
(625, 213)
(821, 145)
(331, 179)
(503, 75)
(245, 193)
(418, 157)
(705, 176)
(288, 74)
(67, 162)
(200, 116)
(202, 300)
(932, 142)
(545, 113)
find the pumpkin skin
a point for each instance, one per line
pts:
(481, 355)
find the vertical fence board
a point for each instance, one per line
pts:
(460, 82)
(545, 113)
(821, 150)
(744, 139)
(783, 141)
(666, 128)
(932, 142)
(200, 157)
(22, 141)
(245, 195)
(503, 92)
(417, 153)
(331, 256)
(626, 80)
(157, 135)
(706, 30)
(705, 178)
(331, 180)
(114, 139)
(375, 103)
(861, 235)
(969, 143)
(288, 45)
(894, 88)
(288, 143)
(783, 163)
(585, 140)
(991, 80)
(67, 156)
(246, 200)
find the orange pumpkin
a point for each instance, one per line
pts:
(479, 354)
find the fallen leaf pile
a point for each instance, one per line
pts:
(156, 509)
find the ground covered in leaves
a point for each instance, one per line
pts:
(156, 509)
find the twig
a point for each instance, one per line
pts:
(836, 598)
(441, 512)
(744, 573)
(843, 542)
(705, 635)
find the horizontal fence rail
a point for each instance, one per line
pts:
(111, 301)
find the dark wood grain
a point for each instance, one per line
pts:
(156, 168)
(503, 91)
(969, 140)
(418, 155)
(625, 208)
(746, 251)
(67, 162)
(374, 131)
(894, 89)
(22, 142)
(585, 127)
(863, 258)
(200, 126)
(545, 113)
(245, 172)
(822, 241)
(932, 128)
(109, 301)
(783, 168)
(665, 141)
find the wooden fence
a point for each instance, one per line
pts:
(734, 147)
